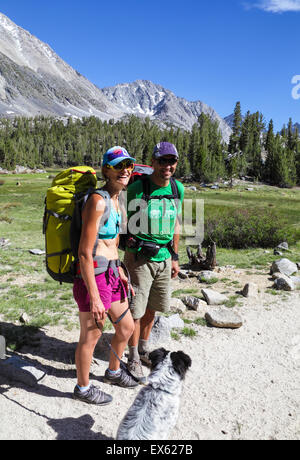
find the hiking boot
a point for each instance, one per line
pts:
(92, 396)
(135, 368)
(144, 357)
(121, 378)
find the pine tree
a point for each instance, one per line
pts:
(269, 166)
(202, 153)
(291, 143)
(194, 147)
(233, 146)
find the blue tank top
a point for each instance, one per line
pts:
(111, 229)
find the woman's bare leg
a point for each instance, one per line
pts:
(123, 331)
(89, 336)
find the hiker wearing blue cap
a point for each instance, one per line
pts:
(105, 293)
(152, 254)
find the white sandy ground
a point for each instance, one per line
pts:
(243, 384)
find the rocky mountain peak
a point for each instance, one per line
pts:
(145, 98)
(34, 80)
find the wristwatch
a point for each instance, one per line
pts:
(175, 257)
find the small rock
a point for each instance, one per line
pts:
(284, 246)
(277, 253)
(206, 275)
(276, 275)
(183, 275)
(284, 283)
(192, 188)
(160, 331)
(221, 269)
(177, 306)
(24, 318)
(284, 266)
(2, 347)
(223, 319)
(213, 298)
(36, 252)
(162, 327)
(175, 321)
(4, 242)
(191, 274)
(192, 302)
(15, 368)
(296, 281)
(250, 290)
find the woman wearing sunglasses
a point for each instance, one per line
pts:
(105, 294)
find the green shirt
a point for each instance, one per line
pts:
(155, 222)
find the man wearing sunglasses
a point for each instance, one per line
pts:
(152, 250)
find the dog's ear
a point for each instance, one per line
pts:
(157, 356)
(181, 362)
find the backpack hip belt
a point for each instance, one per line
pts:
(151, 248)
(101, 265)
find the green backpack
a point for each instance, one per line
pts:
(62, 223)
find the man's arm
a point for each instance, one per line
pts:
(175, 263)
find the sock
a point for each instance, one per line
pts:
(133, 354)
(83, 389)
(113, 372)
(143, 346)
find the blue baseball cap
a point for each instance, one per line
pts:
(164, 148)
(116, 154)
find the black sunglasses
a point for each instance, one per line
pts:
(167, 161)
(125, 164)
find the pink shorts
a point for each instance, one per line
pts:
(111, 289)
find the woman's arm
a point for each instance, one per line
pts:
(91, 216)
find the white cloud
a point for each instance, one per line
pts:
(278, 6)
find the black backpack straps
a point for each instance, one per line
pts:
(175, 192)
(174, 187)
(146, 187)
(146, 190)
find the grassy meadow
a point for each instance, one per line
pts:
(25, 285)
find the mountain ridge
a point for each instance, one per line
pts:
(34, 80)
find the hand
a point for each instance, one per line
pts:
(175, 269)
(124, 280)
(97, 309)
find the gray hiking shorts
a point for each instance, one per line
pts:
(151, 283)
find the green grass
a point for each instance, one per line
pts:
(188, 332)
(232, 301)
(182, 292)
(285, 201)
(26, 287)
(200, 321)
(211, 281)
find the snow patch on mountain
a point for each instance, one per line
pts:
(34, 80)
(145, 98)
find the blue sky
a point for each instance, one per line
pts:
(217, 51)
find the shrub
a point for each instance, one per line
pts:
(247, 228)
